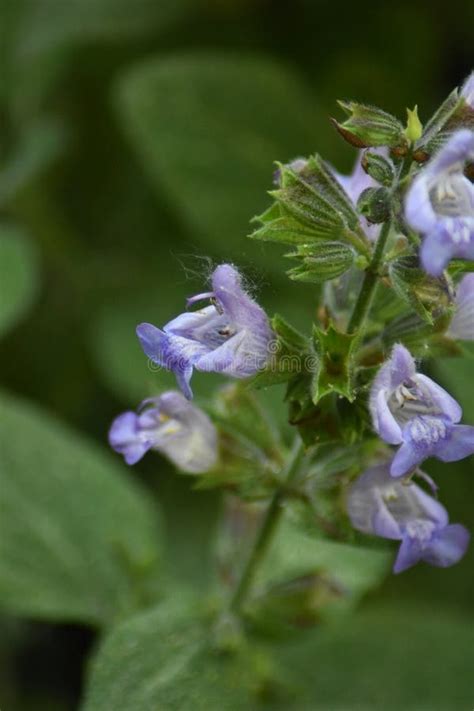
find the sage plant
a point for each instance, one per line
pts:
(387, 250)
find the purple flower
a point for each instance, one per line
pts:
(232, 335)
(440, 204)
(410, 409)
(383, 507)
(171, 425)
(462, 323)
(467, 91)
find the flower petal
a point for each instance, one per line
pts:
(448, 546)
(124, 438)
(458, 445)
(409, 554)
(446, 404)
(436, 251)
(407, 458)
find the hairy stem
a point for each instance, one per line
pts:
(364, 300)
(267, 529)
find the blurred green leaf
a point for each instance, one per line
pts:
(390, 658)
(208, 128)
(80, 540)
(117, 352)
(38, 147)
(48, 24)
(456, 376)
(335, 352)
(164, 660)
(294, 553)
(18, 275)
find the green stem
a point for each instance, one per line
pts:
(367, 289)
(267, 529)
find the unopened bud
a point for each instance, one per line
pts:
(414, 127)
(375, 204)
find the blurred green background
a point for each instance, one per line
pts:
(138, 139)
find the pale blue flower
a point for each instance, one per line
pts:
(231, 336)
(171, 425)
(411, 410)
(381, 506)
(440, 205)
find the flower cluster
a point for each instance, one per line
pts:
(232, 336)
(382, 240)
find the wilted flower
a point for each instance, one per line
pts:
(467, 91)
(171, 425)
(410, 409)
(462, 323)
(231, 336)
(440, 204)
(383, 507)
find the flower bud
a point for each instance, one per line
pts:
(370, 126)
(375, 204)
(379, 168)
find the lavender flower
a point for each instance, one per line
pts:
(467, 91)
(440, 204)
(462, 323)
(230, 336)
(171, 425)
(383, 507)
(410, 409)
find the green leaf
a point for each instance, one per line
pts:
(49, 24)
(80, 540)
(335, 351)
(117, 353)
(37, 149)
(207, 128)
(250, 443)
(454, 113)
(280, 227)
(165, 660)
(310, 205)
(294, 553)
(18, 275)
(456, 376)
(390, 657)
(321, 262)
